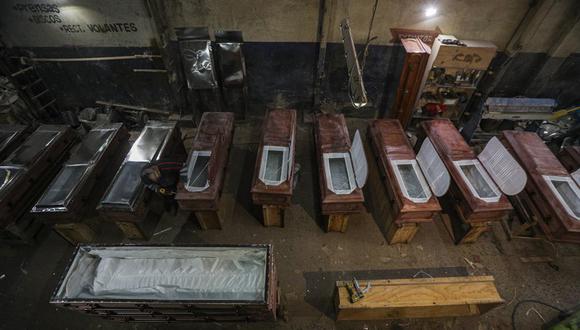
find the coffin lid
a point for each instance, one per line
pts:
(359, 160)
(433, 168)
(505, 171)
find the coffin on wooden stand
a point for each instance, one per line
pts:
(25, 174)
(127, 202)
(478, 183)
(551, 196)
(161, 283)
(200, 190)
(398, 181)
(342, 169)
(84, 176)
(273, 180)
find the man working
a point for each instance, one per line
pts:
(162, 177)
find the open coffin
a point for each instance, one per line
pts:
(202, 183)
(480, 182)
(171, 283)
(408, 188)
(342, 166)
(552, 189)
(66, 196)
(274, 170)
(124, 198)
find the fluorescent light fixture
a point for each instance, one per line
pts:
(430, 11)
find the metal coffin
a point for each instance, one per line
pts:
(273, 180)
(339, 192)
(30, 168)
(66, 198)
(407, 188)
(551, 188)
(166, 283)
(11, 136)
(475, 196)
(200, 189)
(125, 199)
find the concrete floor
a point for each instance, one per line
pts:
(309, 260)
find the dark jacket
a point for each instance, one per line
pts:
(168, 178)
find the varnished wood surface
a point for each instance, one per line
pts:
(331, 135)
(538, 160)
(279, 129)
(451, 147)
(390, 143)
(215, 133)
(570, 158)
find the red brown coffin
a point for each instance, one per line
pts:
(390, 144)
(331, 136)
(273, 180)
(570, 158)
(26, 172)
(11, 136)
(451, 147)
(208, 159)
(126, 198)
(539, 161)
(84, 175)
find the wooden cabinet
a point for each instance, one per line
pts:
(416, 56)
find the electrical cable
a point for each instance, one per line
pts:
(532, 301)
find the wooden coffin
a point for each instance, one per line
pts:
(416, 56)
(207, 163)
(419, 298)
(331, 137)
(411, 199)
(570, 158)
(66, 198)
(126, 200)
(559, 221)
(206, 283)
(273, 180)
(26, 172)
(11, 136)
(199, 190)
(451, 147)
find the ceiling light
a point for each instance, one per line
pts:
(430, 11)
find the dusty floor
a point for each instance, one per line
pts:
(309, 260)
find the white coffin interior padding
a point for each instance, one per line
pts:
(339, 173)
(433, 168)
(275, 165)
(198, 171)
(359, 160)
(505, 171)
(167, 273)
(478, 181)
(411, 180)
(567, 192)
